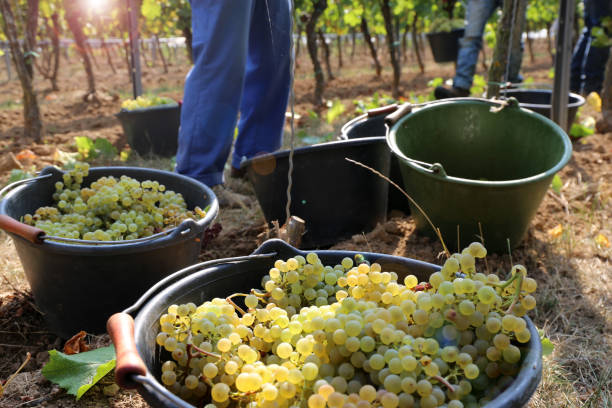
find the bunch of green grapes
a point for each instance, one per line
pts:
(146, 102)
(110, 209)
(353, 336)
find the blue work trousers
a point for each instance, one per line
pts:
(589, 62)
(242, 62)
(477, 14)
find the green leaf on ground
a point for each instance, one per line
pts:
(85, 147)
(556, 184)
(77, 373)
(336, 109)
(105, 148)
(90, 149)
(18, 175)
(547, 346)
(579, 130)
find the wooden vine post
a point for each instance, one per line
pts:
(508, 36)
(319, 7)
(33, 127)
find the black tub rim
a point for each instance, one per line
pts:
(344, 130)
(531, 365)
(131, 112)
(311, 149)
(567, 144)
(188, 229)
(578, 99)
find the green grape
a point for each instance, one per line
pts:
(471, 371)
(528, 302)
(486, 295)
(511, 354)
(191, 382)
(424, 388)
(220, 392)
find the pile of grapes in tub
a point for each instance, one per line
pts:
(110, 209)
(352, 335)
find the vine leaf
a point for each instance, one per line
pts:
(77, 373)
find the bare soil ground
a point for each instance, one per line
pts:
(566, 249)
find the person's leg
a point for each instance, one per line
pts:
(267, 82)
(477, 14)
(577, 63)
(596, 57)
(213, 87)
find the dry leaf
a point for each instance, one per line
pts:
(76, 344)
(602, 240)
(26, 156)
(556, 232)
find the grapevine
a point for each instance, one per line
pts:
(352, 335)
(110, 209)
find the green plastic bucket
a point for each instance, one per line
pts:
(466, 162)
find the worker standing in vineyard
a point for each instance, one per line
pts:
(477, 14)
(589, 57)
(242, 62)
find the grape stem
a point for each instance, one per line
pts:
(206, 353)
(230, 301)
(442, 380)
(517, 292)
(260, 295)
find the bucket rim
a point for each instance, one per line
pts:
(567, 144)
(164, 107)
(314, 148)
(184, 231)
(525, 385)
(579, 99)
(350, 124)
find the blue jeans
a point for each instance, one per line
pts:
(477, 14)
(589, 62)
(242, 61)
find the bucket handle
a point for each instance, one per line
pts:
(383, 110)
(32, 234)
(407, 108)
(38, 236)
(130, 369)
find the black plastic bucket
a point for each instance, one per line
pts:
(152, 131)
(540, 101)
(78, 286)
(445, 45)
(336, 198)
(368, 125)
(220, 278)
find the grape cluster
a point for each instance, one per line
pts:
(353, 336)
(146, 102)
(110, 209)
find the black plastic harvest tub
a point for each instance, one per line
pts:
(336, 198)
(153, 130)
(139, 365)
(78, 286)
(368, 125)
(540, 101)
